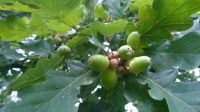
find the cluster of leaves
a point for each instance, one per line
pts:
(48, 82)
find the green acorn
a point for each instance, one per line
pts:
(125, 52)
(108, 79)
(98, 63)
(139, 64)
(133, 40)
(63, 50)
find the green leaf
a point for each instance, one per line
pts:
(76, 41)
(89, 100)
(114, 99)
(157, 22)
(97, 43)
(15, 6)
(56, 94)
(107, 29)
(116, 8)
(140, 3)
(52, 7)
(65, 11)
(99, 106)
(8, 52)
(196, 14)
(46, 18)
(99, 12)
(77, 66)
(39, 47)
(183, 52)
(3, 61)
(102, 100)
(89, 10)
(34, 75)
(180, 96)
(85, 92)
(138, 95)
(187, 50)
(13, 28)
(137, 4)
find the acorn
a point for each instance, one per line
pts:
(63, 50)
(125, 52)
(98, 63)
(133, 40)
(139, 64)
(108, 79)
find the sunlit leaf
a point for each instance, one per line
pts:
(156, 22)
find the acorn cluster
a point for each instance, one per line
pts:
(128, 59)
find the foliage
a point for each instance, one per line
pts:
(31, 31)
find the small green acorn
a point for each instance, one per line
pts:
(139, 64)
(98, 63)
(108, 79)
(133, 40)
(125, 52)
(63, 50)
